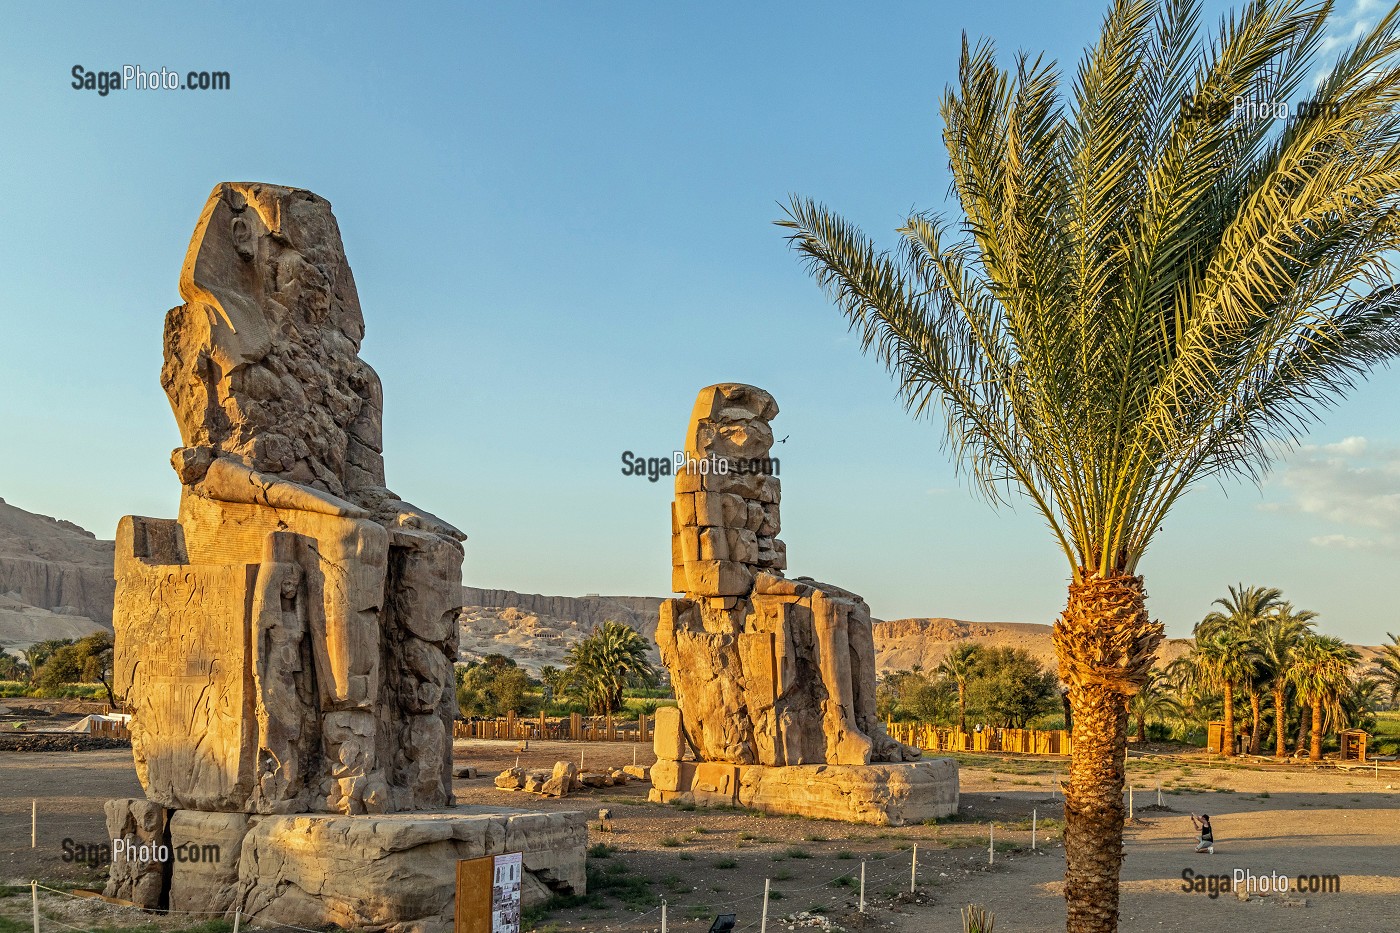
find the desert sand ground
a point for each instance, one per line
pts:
(1291, 819)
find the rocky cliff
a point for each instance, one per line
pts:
(55, 579)
(55, 565)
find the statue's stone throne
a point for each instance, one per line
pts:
(287, 662)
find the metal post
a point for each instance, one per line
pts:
(34, 824)
(763, 921)
(862, 886)
(237, 918)
(1159, 793)
(914, 868)
(1130, 801)
(34, 899)
(1032, 830)
(663, 915)
(991, 843)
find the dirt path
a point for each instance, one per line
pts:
(702, 862)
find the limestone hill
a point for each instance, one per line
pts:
(537, 630)
(55, 579)
(900, 644)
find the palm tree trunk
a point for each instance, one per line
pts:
(1142, 728)
(1315, 752)
(1280, 725)
(1254, 707)
(1105, 644)
(1303, 721)
(1229, 749)
(962, 705)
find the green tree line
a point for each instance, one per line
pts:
(47, 667)
(599, 673)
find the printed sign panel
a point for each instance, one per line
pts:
(488, 894)
(505, 893)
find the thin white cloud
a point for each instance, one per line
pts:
(1347, 447)
(1352, 543)
(1353, 484)
(1345, 26)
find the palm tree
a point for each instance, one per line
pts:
(603, 665)
(1246, 610)
(1194, 699)
(1153, 699)
(958, 666)
(1133, 295)
(1360, 702)
(1225, 658)
(1321, 665)
(1277, 640)
(1387, 668)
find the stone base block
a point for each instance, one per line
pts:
(387, 872)
(880, 794)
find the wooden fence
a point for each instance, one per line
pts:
(941, 739)
(111, 730)
(574, 728)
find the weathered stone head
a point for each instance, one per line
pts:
(262, 360)
(731, 420)
(262, 363)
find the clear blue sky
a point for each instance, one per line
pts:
(560, 220)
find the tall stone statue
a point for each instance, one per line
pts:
(770, 673)
(287, 644)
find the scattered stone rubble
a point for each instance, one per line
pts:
(564, 779)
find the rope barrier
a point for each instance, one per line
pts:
(247, 922)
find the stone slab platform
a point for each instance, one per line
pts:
(389, 872)
(879, 794)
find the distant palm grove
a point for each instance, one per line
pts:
(1255, 663)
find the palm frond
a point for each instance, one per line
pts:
(1144, 286)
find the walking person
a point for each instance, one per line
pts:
(1205, 838)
